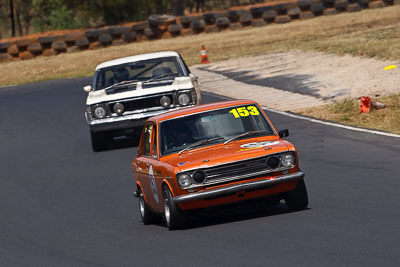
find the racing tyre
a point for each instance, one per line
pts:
(298, 198)
(175, 218)
(148, 217)
(99, 141)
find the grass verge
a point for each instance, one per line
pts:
(372, 33)
(348, 112)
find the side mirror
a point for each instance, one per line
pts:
(283, 133)
(87, 88)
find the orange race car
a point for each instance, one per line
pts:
(212, 155)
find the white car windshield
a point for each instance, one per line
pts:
(151, 69)
(214, 126)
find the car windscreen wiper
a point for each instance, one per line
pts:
(160, 76)
(201, 142)
(245, 134)
(127, 82)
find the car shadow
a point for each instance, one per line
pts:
(235, 213)
(122, 143)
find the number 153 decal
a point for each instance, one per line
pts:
(245, 111)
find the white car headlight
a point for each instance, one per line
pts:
(288, 160)
(119, 108)
(100, 112)
(183, 99)
(165, 101)
(184, 180)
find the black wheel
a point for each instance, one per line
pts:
(175, 218)
(99, 141)
(148, 217)
(298, 198)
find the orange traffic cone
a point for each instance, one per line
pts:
(204, 59)
(365, 104)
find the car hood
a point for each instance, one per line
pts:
(100, 96)
(209, 156)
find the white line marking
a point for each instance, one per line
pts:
(330, 123)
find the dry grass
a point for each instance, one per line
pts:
(373, 33)
(348, 112)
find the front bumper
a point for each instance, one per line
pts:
(126, 121)
(238, 187)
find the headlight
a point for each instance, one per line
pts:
(199, 177)
(119, 108)
(288, 160)
(165, 101)
(184, 180)
(183, 99)
(273, 162)
(100, 112)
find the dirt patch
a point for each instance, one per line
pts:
(325, 76)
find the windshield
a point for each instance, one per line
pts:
(164, 68)
(204, 128)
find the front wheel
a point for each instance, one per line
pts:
(297, 199)
(175, 218)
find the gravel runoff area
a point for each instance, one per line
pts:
(292, 81)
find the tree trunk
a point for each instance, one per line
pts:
(12, 18)
(18, 18)
(178, 8)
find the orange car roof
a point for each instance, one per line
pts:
(200, 108)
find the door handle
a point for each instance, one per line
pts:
(138, 162)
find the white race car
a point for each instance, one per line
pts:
(127, 91)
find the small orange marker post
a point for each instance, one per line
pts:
(365, 104)
(203, 53)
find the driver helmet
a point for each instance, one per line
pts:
(121, 74)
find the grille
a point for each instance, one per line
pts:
(246, 169)
(238, 169)
(143, 103)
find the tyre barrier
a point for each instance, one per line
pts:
(175, 29)
(330, 11)
(258, 23)
(59, 47)
(341, 5)
(294, 13)
(269, 16)
(198, 26)
(187, 20)
(211, 18)
(35, 48)
(317, 9)
(376, 4)
(233, 15)
(167, 26)
(246, 19)
(105, 39)
(355, 7)
(222, 23)
(282, 19)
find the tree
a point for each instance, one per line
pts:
(12, 18)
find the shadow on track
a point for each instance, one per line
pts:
(121, 143)
(231, 213)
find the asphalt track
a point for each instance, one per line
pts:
(63, 205)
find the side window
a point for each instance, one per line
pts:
(154, 147)
(147, 140)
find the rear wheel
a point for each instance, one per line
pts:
(297, 199)
(99, 140)
(175, 218)
(148, 217)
